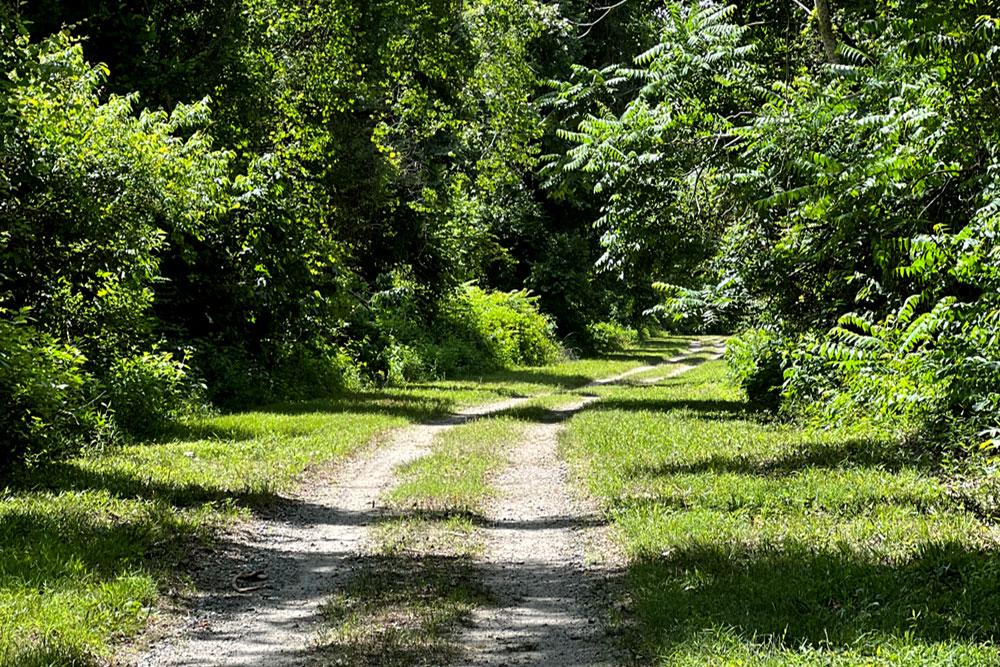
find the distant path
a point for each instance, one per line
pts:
(301, 555)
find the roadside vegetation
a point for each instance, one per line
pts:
(755, 542)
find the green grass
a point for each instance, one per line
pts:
(756, 543)
(452, 535)
(90, 547)
(86, 545)
(563, 376)
(454, 477)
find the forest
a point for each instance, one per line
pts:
(209, 207)
(231, 202)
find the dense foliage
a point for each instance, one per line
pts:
(251, 200)
(248, 200)
(841, 206)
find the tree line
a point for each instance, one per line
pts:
(821, 180)
(230, 202)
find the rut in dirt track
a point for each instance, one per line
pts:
(311, 547)
(535, 562)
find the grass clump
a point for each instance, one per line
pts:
(454, 536)
(400, 611)
(753, 542)
(455, 475)
(418, 584)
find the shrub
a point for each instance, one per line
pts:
(146, 392)
(412, 335)
(45, 408)
(507, 326)
(404, 364)
(242, 378)
(611, 336)
(301, 371)
(755, 363)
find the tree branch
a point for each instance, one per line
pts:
(607, 10)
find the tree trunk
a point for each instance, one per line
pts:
(826, 31)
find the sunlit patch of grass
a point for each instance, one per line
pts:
(753, 542)
(455, 535)
(455, 475)
(563, 376)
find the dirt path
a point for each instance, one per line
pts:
(535, 560)
(302, 554)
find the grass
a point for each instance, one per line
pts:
(755, 543)
(452, 535)
(454, 477)
(400, 611)
(87, 546)
(91, 547)
(563, 376)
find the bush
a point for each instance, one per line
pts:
(241, 378)
(404, 364)
(45, 410)
(147, 392)
(755, 363)
(301, 371)
(506, 326)
(610, 336)
(413, 335)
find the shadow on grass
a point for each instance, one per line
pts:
(706, 409)
(843, 455)
(72, 476)
(404, 610)
(792, 594)
(46, 546)
(468, 385)
(539, 377)
(476, 519)
(206, 430)
(651, 354)
(415, 408)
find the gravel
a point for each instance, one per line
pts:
(534, 563)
